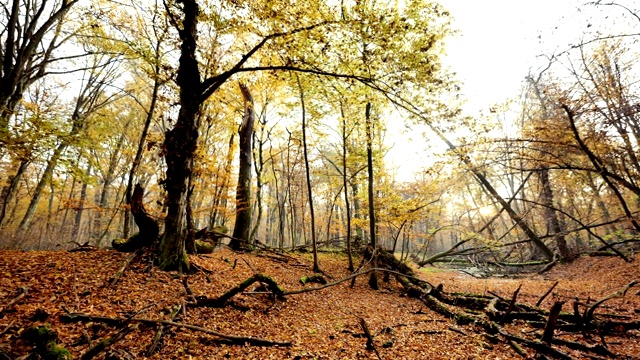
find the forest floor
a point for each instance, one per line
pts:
(323, 324)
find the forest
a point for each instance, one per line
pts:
(234, 158)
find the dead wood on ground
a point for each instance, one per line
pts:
(239, 340)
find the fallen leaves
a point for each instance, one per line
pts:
(321, 324)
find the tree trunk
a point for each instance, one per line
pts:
(9, 191)
(259, 167)
(242, 228)
(316, 267)
(373, 279)
(345, 186)
(103, 202)
(220, 200)
(37, 192)
(180, 145)
(83, 199)
(551, 217)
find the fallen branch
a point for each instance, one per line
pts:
(512, 303)
(304, 290)
(22, 292)
(367, 334)
(239, 340)
(159, 333)
(116, 277)
(81, 247)
(547, 293)
(222, 299)
(547, 335)
(620, 293)
(104, 344)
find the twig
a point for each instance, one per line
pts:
(547, 293)
(22, 292)
(187, 289)
(158, 335)
(367, 334)
(512, 303)
(116, 277)
(104, 344)
(4, 331)
(75, 288)
(249, 265)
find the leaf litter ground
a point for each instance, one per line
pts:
(320, 324)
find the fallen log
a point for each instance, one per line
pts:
(239, 340)
(620, 293)
(220, 301)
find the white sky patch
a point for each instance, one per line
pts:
(498, 43)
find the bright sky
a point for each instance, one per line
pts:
(499, 42)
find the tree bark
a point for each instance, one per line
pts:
(37, 192)
(80, 210)
(373, 279)
(345, 187)
(242, 228)
(143, 137)
(9, 191)
(180, 145)
(307, 172)
(551, 217)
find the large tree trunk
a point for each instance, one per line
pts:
(550, 215)
(180, 145)
(242, 228)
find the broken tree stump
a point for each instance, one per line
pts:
(149, 229)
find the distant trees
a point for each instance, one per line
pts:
(158, 105)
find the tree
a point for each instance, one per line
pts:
(307, 172)
(373, 278)
(31, 30)
(181, 141)
(91, 97)
(27, 50)
(242, 227)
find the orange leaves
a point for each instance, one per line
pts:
(321, 324)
